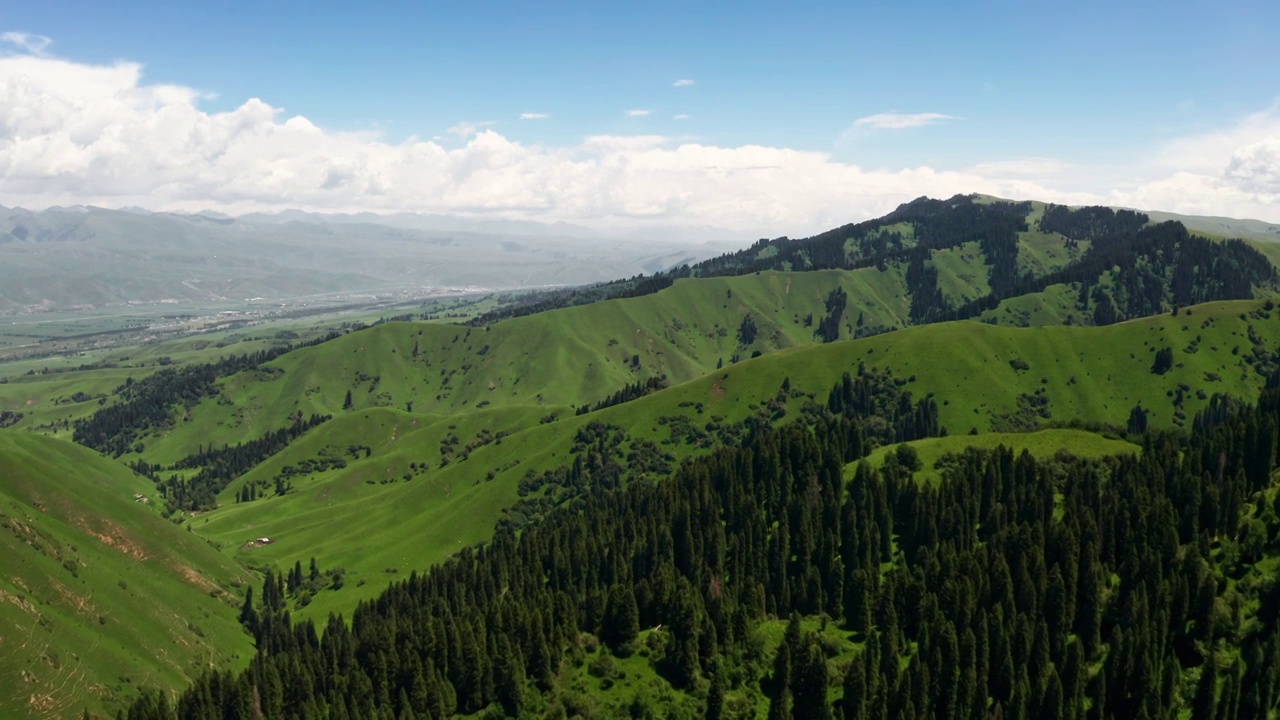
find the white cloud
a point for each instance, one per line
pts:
(899, 121)
(466, 128)
(72, 133)
(27, 42)
(681, 116)
(638, 113)
(1209, 152)
(683, 83)
(534, 116)
(1256, 167)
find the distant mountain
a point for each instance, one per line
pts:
(431, 222)
(1224, 226)
(92, 257)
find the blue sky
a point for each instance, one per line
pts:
(1084, 83)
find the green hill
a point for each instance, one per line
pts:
(1043, 444)
(358, 516)
(99, 596)
(441, 433)
(553, 361)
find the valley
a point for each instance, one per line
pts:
(367, 451)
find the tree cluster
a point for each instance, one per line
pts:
(631, 391)
(147, 404)
(1015, 588)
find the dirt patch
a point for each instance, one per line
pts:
(116, 539)
(22, 603)
(81, 603)
(717, 390)
(195, 578)
(42, 702)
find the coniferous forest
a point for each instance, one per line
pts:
(1014, 588)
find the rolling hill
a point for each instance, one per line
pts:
(99, 596)
(387, 450)
(445, 480)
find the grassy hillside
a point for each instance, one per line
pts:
(99, 596)
(551, 360)
(578, 355)
(440, 432)
(357, 517)
(1042, 444)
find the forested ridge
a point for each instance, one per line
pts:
(1131, 587)
(1154, 267)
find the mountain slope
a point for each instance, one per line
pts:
(553, 361)
(981, 377)
(99, 596)
(1023, 248)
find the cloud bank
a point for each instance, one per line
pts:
(72, 133)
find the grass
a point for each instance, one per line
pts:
(1042, 444)
(962, 273)
(1055, 305)
(551, 360)
(99, 596)
(370, 520)
(1041, 253)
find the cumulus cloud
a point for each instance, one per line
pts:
(1234, 171)
(27, 42)
(534, 116)
(1256, 167)
(683, 83)
(100, 134)
(638, 113)
(899, 121)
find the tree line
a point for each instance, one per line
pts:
(218, 467)
(149, 403)
(1017, 587)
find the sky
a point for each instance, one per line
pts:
(773, 118)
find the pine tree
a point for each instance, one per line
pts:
(621, 623)
(809, 683)
(715, 696)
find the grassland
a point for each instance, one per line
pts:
(1041, 444)
(553, 361)
(401, 509)
(99, 596)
